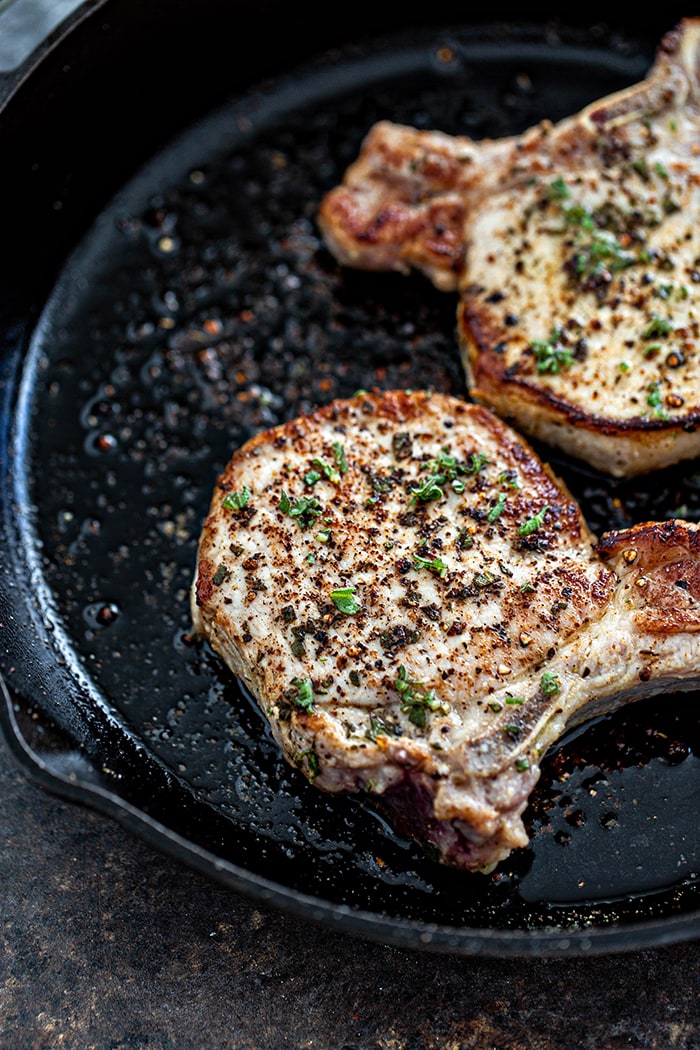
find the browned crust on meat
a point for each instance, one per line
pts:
(379, 218)
(403, 202)
(663, 561)
(493, 382)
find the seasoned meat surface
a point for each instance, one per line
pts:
(575, 252)
(578, 318)
(420, 610)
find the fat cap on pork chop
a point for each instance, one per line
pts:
(420, 610)
(575, 250)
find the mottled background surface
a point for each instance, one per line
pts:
(107, 944)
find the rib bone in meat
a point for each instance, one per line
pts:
(420, 610)
(575, 251)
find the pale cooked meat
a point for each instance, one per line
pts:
(575, 249)
(420, 610)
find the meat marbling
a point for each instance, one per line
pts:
(575, 252)
(420, 610)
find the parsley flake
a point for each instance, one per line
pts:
(654, 401)
(236, 500)
(550, 684)
(303, 694)
(533, 523)
(497, 508)
(343, 597)
(339, 457)
(415, 702)
(476, 462)
(435, 565)
(322, 470)
(429, 490)
(552, 355)
(304, 508)
(558, 190)
(656, 327)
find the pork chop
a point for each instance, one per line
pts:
(575, 251)
(420, 610)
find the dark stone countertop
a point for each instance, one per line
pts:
(109, 944)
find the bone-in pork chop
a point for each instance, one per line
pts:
(420, 610)
(575, 250)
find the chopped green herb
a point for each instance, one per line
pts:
(522, 764)
(443, 468)
(641, 166)
(326, 470)
(312, 763)
(344, 600)
(558, 190)
(378, 727)
(552, 356)
(654, 401)
(509, 478)
(533, 523)
(429, 490)
(304, 508)
(236, 500)
(450, 468)
(487, 581)
(511, 729)
(497, 508)
(435, 565)
(602, 255)
(550, 684)
(445, 464)
(221, 575)
(415, 701)
(476, 462)
(304, 695)
(339, 457)
(577, 215)
(515, 700)
(656, 327)
(464, 540)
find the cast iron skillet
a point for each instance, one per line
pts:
(163, 295)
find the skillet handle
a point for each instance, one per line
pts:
(28, 31)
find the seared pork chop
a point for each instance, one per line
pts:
(420, 610)
(575, 249)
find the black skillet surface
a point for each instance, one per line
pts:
(199, 307)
